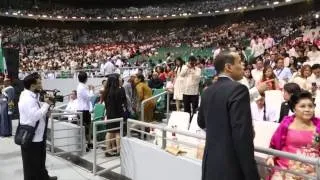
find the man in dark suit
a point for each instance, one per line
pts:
(225, 115)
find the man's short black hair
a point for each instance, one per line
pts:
(30, 79)
(192, 59)
(315, 66)
(82, 77)
(222, 59)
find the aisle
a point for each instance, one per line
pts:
(11, 165)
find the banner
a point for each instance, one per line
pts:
(3, 64)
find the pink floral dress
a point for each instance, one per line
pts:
(301, 142)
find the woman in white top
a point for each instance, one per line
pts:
(178, 83)
(302, 78)
(247, 79)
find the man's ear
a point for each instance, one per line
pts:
(227, 67)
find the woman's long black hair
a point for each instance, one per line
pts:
(111, 88)
(178, 68)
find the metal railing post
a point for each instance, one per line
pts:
(142, 118)
(82, 135)
(168, 105)
(95, 148)
(52, 133)
(164, 139)
(318, 169)
(128, 129)
(142, 111)
(121, 128)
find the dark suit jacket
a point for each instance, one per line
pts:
(225, 114)
(284, 111)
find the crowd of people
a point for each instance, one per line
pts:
(70, 50)
(186, 8)
(275, 56)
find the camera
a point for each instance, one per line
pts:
(55, 97)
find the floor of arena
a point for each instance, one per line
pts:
(66, 167)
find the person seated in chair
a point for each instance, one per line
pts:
(72, 106)
(288, 90)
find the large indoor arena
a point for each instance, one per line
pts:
(159, 90)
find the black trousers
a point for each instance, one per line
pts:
(189, 100)
(34, 161)
(87, 124)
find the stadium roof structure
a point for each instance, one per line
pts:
(16, 13)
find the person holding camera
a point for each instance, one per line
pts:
(33, 114)
(192, 76)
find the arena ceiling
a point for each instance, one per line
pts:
(114, 3)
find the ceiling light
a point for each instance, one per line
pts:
(276, 2)
(226, 10)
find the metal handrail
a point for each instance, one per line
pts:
(95, 143)
(308, 160)
(79, 70)
(152, 98)
(292, 156)
(82, 131)
(165, 128)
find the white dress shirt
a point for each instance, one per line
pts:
(109, 68)
(258, 114)
(84, 97)
(314, 56)
(192, 78)
(31, 112)
(257, 74)
(283, 74)
(314, 79)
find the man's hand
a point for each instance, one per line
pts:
(47, 100)
(262, 87)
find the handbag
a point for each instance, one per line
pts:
(24, 134)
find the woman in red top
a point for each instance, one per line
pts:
(269, 75)
(162, 75)
(169, 73)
